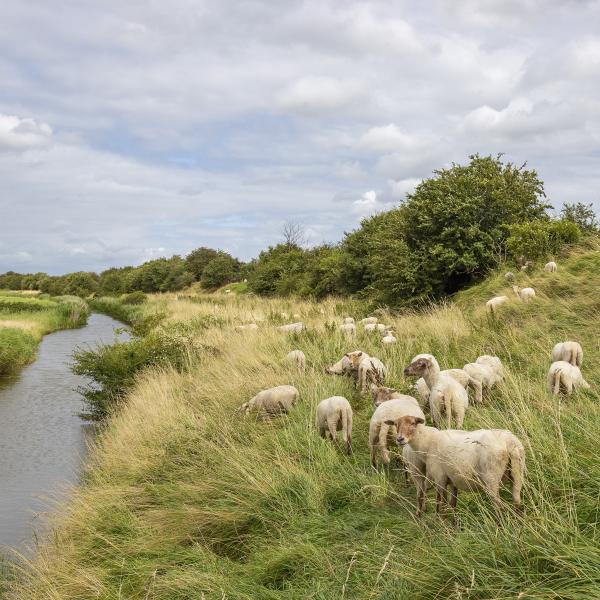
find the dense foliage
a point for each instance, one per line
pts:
(450, 232)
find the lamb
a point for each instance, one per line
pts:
(525, 294)
(370, 370)
(335, 414)
(292, 327)
(348, 320)
(246, 327)
(382, 394)
(446, 394)
(273, 401)
(509, 276)
(487, 375)
(570, 352)
(467, 460)
(550, 267)
(383, 423)
(368, 321)
(563, 375)
(493, 304)
(459, 375)
(298, 357)
(348, 329)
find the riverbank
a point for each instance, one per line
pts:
(185, 499)
(26, 318)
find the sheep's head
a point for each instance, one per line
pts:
(382, 394)
(355, 358)
(244, 408)
(406, 428)
(418, 367)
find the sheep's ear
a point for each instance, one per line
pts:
(360, 353)
(390, 422)
(419, 421)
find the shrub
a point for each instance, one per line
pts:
(540, 239)
(17, 348)
(134, 298)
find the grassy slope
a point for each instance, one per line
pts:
(185, 500)
(25, 319)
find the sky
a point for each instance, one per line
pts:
(139, 129)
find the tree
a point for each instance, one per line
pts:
(198, 259)
(581, 214)
(219, 271)
(293, 234)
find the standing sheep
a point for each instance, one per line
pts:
(370, 370)
(299, 358)
(492, 361)
(348, 329)
(368, 320)
(335, 414)
(524, 294)
(570, 352)
(388, 337)
(383, 424)
(485, 374)
(292, 327)
(550, 267)
(370, 327)
(495, 303)
(446, 394)
(348, 320)
(565, 376)
(461, 376)
(273, 401)
(467, 460)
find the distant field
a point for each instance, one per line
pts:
(184, 499)
(26, 317)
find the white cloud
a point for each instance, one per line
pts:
(20, 134)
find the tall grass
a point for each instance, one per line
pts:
(184, 499)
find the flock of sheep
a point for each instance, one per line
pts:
(441, 458)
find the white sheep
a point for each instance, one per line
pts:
(348, 329)
(273, 401)
(571, 352)
(370, 327)
(335, 414)
(298, 358)
(292, 327)
(550, 267)
(446, 394)
(492, 361)
(348, 320)
(247, 327)
(524, 294)
(459, 375)
(382, 394)
(495, 303)
(381, 327)
(368, 321)
(389, 338)
(509, 276)
(485, 374)
(467, 460)
(382, 424)
(422, 389)
(348, 364)
(370, 370)
(565, 376)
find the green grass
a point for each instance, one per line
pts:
(24, 320)
(184, 499)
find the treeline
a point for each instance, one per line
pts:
(455, 227)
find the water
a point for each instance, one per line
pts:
(42, 440)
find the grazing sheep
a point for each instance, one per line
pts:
(381, 327)
(383, 423)
(485, 374)
(550, 267)
(371, 327)
(370, 370)
(565, 376)
(525, 294)
(467, 460)
(459, 375)
(382, 394)
(292, 327)
(246, 327)
(348, 329)
(492, 361)
(335, 414)
(571, 352)
(389, 337)
(495, 303)
(348, 320)
(368, 321)
(273, 401)
(299, 358)
(446, 394)
(509, 276)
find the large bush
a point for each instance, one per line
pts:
(219, 271)
(541, 239)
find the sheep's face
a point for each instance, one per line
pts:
(418, 367)
(382, 394)
(406, 428)
(355, 358)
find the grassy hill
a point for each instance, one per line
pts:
(184, 499)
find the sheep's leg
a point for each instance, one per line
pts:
(323, 432)
(476, 385)
(459, 416)
(383, 435)
(421, 485)
(568, 383)
(493, 490)
(435, 413)
(453, 496)
(440, 494)
(332, 426)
